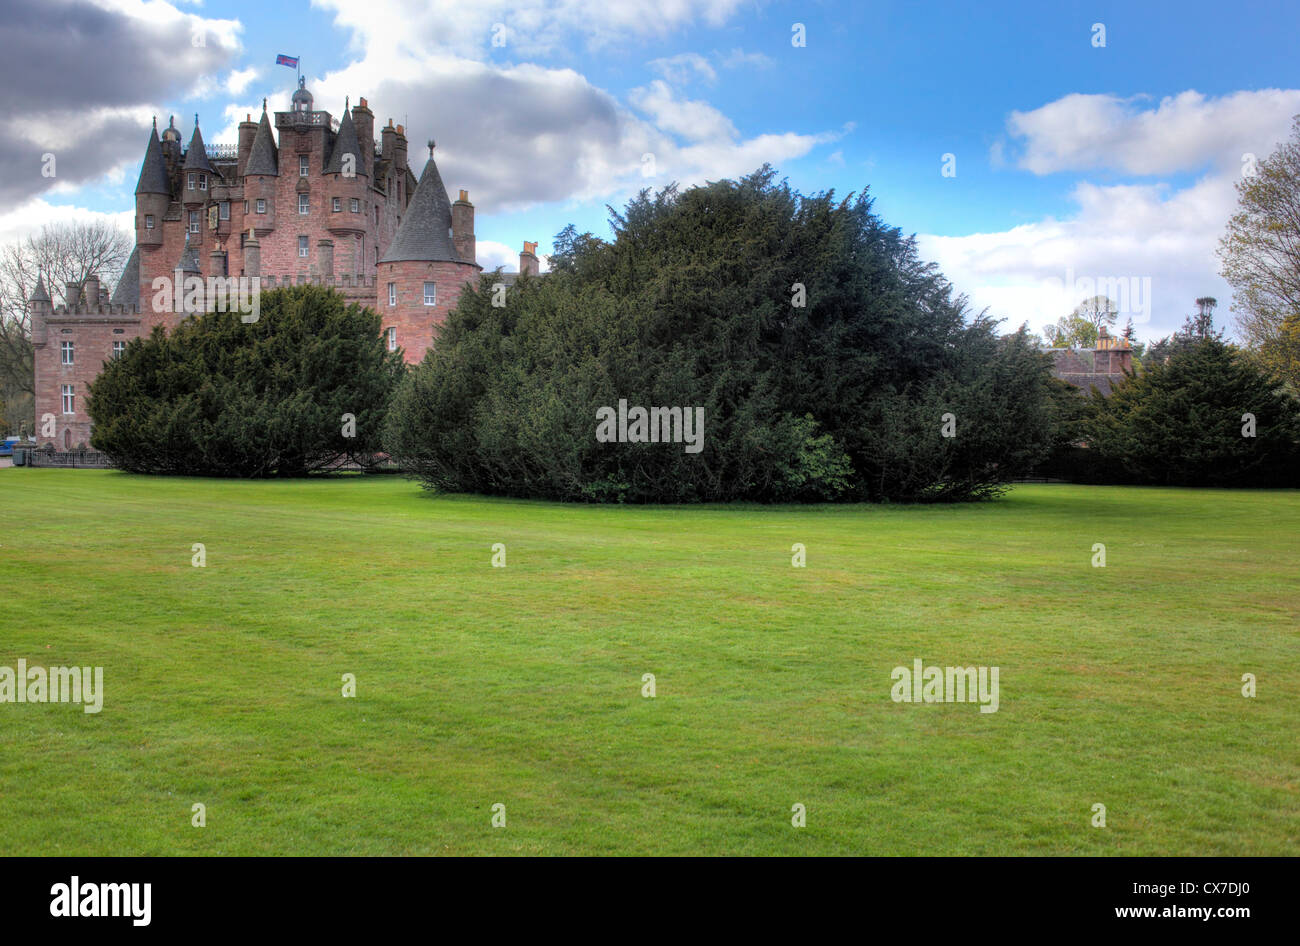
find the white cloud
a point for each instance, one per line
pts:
(531, 26)
(1152, 230)
(1185, 132)
(692, 120)
(684, 68)
(31, 216)
(240, 79)
(738, 58)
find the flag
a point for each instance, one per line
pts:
(290, 61)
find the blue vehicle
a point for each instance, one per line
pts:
(7, 446)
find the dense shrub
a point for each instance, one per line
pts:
(690, 305)
(222, 397)
(1182, 422)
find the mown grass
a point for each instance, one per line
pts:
(522, 685)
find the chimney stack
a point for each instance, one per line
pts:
(528, 262)
(462, 229)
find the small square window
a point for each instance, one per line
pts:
(302, 246)
(67, 353)
(118, 348)
(302, 203)
(337, 204)
(225, 209)
(261, 206)
(430, 293)
(392, 293)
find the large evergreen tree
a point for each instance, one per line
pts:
(824, 353)
(223, 397)
(1184, 422)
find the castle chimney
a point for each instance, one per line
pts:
(399, 150)
(252, 254)
(72, 294)
(325, 258)
(217, 258)
(528, 262)
(389, 144)
(462, 228)
(247, 132)
(363, 119)
(90, 291)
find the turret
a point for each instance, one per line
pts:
(39, 307)
(152, 193)
(260, 173)
(197, 172)
(462, 228)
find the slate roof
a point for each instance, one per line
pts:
(127, 291)
(262, 156)
(39, 294)
(345, 143)
(196, 158)
(425, 233)
(189, 259)
(153, 173)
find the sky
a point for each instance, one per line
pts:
(1037, 150)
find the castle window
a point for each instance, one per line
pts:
(194, 221)
(430, 293)
(225, 209)
(392, 293)
(148, 221)
(304, 165)
(338, 204)
(245, 207)
(193, 178)
(68, 400)
(261, 206)
(203, 182)
(356, 206)
(392, 334)
(302, 246)
(118, 348)
(302, 203)
(67, 353)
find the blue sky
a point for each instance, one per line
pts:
(1114, 161)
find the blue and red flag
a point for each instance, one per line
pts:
(290, 61)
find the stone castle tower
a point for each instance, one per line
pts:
(312, 201)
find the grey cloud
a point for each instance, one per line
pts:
(66, 61)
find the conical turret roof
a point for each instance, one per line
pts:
(127, 291)
(189, 259)
(345, 143)
(39, 294)
(262, 156)
(425, 233)
(196, 158)
(153, 173)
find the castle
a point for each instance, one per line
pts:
(327, 204)
(1101, 367)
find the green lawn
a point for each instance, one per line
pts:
(522, 685)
